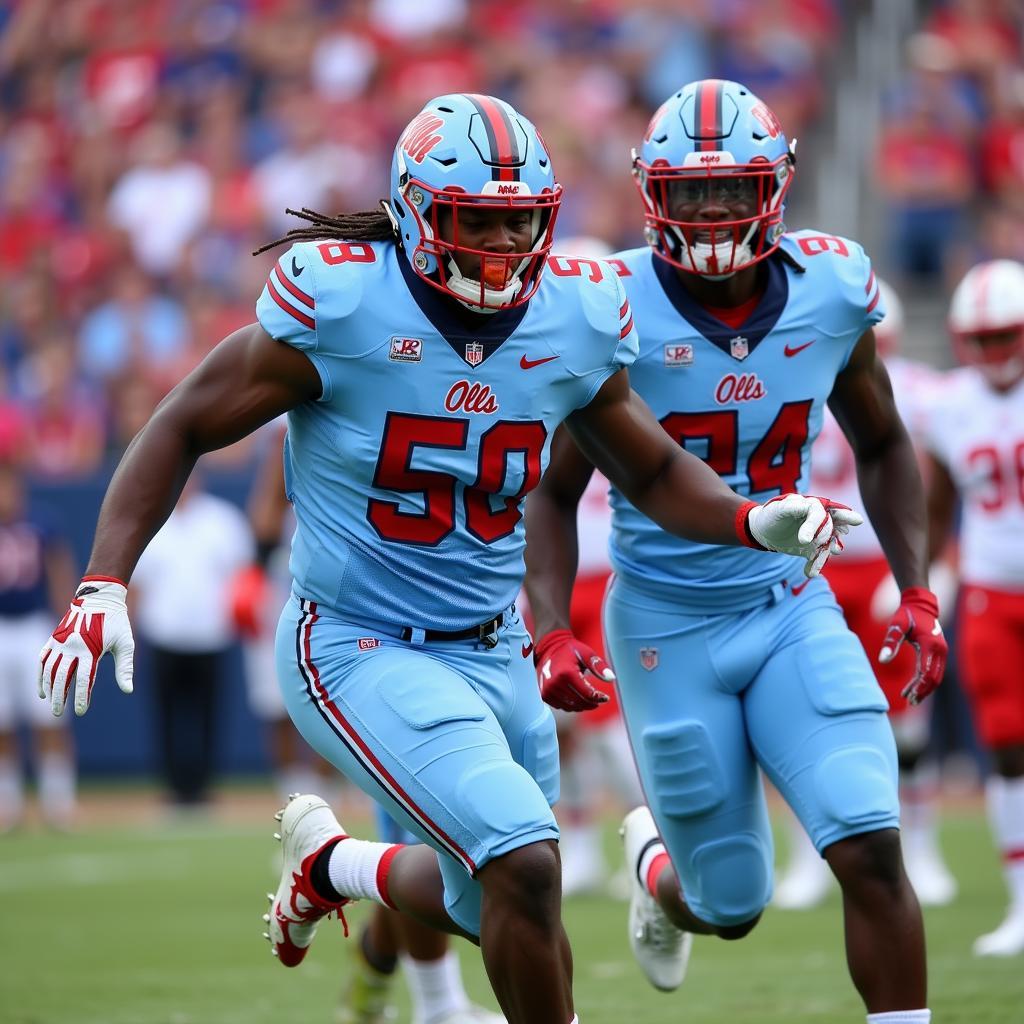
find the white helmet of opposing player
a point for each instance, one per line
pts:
(986, 319)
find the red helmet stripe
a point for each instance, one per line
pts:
(500, 133)
(708, 115)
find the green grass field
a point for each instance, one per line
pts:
(160, 924)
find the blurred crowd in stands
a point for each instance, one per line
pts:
(147, 147)
(950, 157)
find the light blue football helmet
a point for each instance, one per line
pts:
(470, 150)
(713, 172)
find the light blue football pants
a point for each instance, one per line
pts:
(451, 738)
(709, 698)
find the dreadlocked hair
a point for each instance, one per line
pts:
(365, 226)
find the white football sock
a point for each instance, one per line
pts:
(354, 868)
(653, 851)
(919, 793)
(1005, 798)
(57, 789)
(901, 1017)
(12, 793)
(435, 987)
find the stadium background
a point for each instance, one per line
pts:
(147, 148)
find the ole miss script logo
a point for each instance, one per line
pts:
(470, 397)
(744, 387)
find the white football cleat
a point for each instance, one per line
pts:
(1007, 939)
(307, 826)
(661, 949)
(934, 885)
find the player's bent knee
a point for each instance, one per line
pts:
(732, 932)
(872, 857)
(525, 882)
(735, 878)
(686, 776)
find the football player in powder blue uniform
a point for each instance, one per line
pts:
(727, 662)
(425, 358)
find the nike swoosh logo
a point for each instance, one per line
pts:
(792, 350)
(529, 364)
(798, 588)
(296, 270)
(527, 649)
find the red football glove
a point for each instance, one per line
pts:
(562, 664)
(917, 621)
(248, 594)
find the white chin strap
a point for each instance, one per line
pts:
(468, 292)
(702, 256)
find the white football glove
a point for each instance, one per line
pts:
(96, 622)
(802, 525)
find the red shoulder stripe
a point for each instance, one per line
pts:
(306, 321)
(294, 288)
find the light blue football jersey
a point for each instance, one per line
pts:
(749, 401)
(409, 473)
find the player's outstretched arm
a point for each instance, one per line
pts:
(247, 380)
(618, 433)
(893, 494)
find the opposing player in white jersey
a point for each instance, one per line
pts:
(976, 437)
(36, 568)
(727, 663)
(866, 592)
(425, 358)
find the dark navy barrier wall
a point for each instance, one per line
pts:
(117, 736)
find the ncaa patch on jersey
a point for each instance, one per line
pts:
(679, 355)
(406, 350)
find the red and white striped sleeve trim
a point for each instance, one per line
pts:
(625, 320)
(291, 298)
(872, 291)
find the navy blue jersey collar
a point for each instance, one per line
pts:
(456, 324)
(757, 326)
